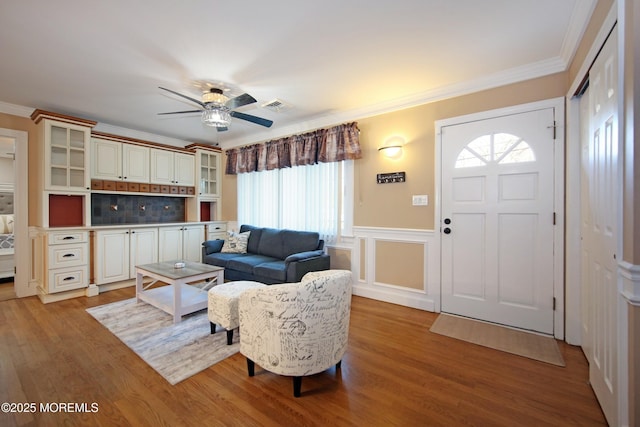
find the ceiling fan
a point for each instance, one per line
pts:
(217, 109)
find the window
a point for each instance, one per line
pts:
(310, 198)
(501, 148)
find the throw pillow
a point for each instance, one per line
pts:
(236, 243)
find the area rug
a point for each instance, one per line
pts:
(533, 346)
(175, 351)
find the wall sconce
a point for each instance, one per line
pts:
(392, 147)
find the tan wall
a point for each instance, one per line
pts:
(400, 264)
(340, 258)
(229, 195)
(389, 205)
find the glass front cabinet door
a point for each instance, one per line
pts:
(66, 156)
(209, 170)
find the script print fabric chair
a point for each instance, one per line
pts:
(297, 329)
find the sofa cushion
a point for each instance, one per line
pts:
(275, 270)
(219, 259)
(271, 243)
(247, 262)
(298, 241)
(254, 238)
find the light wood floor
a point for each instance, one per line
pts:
(6, 289)
(395, 373)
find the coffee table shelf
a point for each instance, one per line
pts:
(178, 298)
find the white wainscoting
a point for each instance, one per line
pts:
(367, 285)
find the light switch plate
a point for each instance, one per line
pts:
(421, 200)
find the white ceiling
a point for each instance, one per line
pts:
(330, 61)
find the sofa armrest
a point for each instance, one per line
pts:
(211, 246)
(303, 255)
(297, 269)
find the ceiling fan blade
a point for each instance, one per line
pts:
(181, 112)
(253, 119)
(197, 101)
(239, 101)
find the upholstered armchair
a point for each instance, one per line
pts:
(297, 329)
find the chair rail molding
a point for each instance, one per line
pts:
(630, 282)
(366, 272)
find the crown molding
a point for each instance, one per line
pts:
(144, 136)
(582, 11)
(15, 110)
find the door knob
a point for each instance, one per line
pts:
(447, 221)
(447, 230)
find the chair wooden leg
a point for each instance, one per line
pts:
(251, 367)
(213, 327)
(297, 386)
(229, 336)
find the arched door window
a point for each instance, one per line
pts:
(501, 148)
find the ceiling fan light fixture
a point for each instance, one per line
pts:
(214, 96)
(218, 117)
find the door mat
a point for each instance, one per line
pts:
(526, 344)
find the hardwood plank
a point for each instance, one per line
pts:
(395, 372)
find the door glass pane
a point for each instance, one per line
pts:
(59, 176)
(76, 178)
(76, 139)
(58, 136)
(76, 158)
(501, 148)
(58, 156)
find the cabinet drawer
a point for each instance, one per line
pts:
(65, 279)
(65, 237)
(68, 255)
(217, 228)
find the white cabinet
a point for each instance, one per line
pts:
(217, 230)
(172, 168)
(66, 149)
(66, 260)
(117, 161)
(117, 252)
(143, 248)
(111, 260)
(181, 243)
(209, 173)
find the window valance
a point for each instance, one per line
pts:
(335, 144)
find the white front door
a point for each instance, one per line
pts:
(498, 220)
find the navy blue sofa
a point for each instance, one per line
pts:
(273, 256)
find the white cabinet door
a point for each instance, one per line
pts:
(66, 156)
(192, 238)
(170, 244)
(208, 169)
(143, 248)
(106, 159)
(111, 260)
(184, 169)
(161, 166)
(135, 163)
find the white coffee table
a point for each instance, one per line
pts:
(179, 297)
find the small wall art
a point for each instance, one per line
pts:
(388, 178)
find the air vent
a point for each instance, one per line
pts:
(276, 105)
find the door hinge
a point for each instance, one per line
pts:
(554, 303)
(554, 218)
